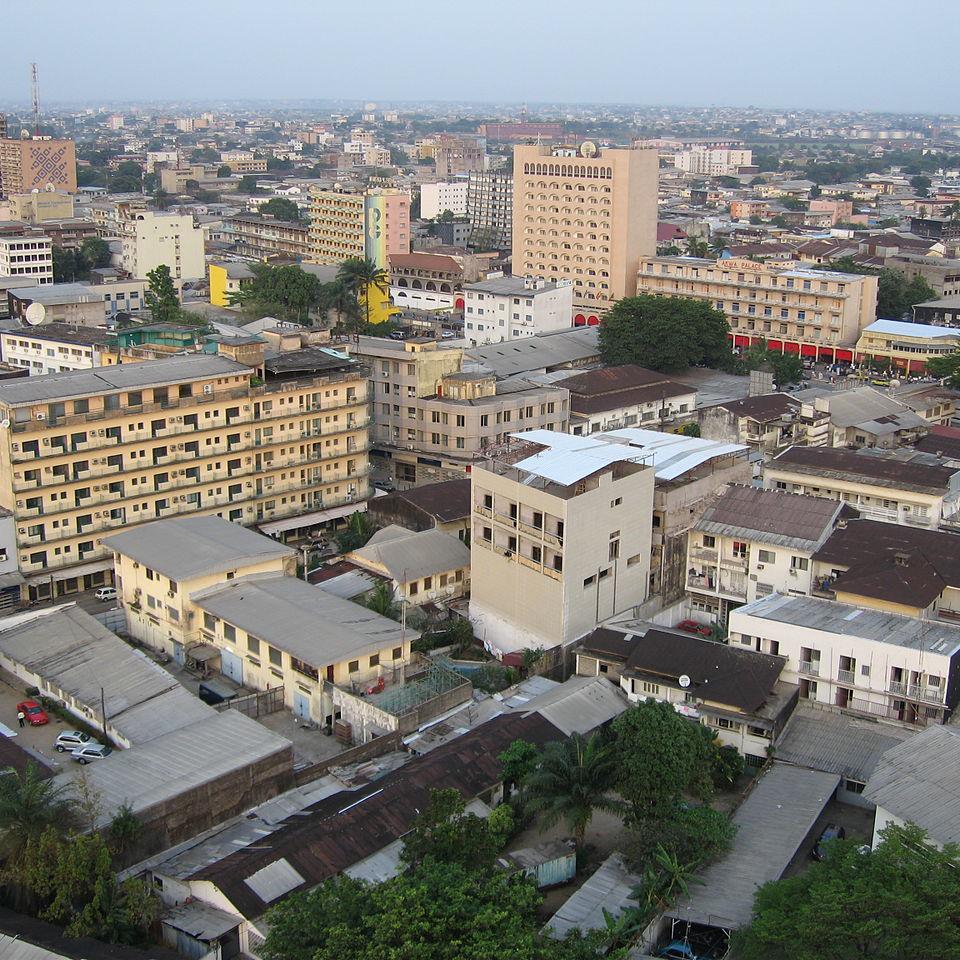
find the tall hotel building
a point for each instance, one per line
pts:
(585, 215)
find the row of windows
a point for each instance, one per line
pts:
(568, 170)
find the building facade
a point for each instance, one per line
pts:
(559, 543)
(27, 256)
(53, 348)
(263, 237)
(158, 239)
(437, 198)
(87, 452)
(906, 346)
(817, 314)
(350, 225)
(504, 308)
(587, 218)
(490, 209)
(37, 164)
(713, 161)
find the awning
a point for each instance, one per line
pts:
(310, 519)
(14, 579)
(203, 652)
(66, 573)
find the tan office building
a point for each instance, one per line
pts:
(85, 452)
(586, 218)
(816, 313)
(27, 165)
(432, 418)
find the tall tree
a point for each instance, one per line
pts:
(95, 252)
(363, 276)
(572, 780)
(898, 902)
(29, 805)
(162, 296)
(697, 247)
(665, 333)
(338, 298)
(281, 208)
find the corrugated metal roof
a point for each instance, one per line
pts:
(672, 454)
(919, 781)
(13, 948)
(537, 353)
(568, 459)
(771, 823)
(271, 882)
(609, 889)
(407, 555)
(184, 547)
(909, 330)
(201, 921)
(580, 705)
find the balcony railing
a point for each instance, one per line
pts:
(810, 667)
(702, 553)
(845, 676)
(701, 583)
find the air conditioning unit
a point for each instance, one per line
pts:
(793, 573)
(41, 416)
(759, 566)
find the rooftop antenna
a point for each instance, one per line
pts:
(35, 86)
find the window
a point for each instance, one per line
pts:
(739, 549)
(230, 634)
(766, 556)
(375, 660)
(651, 688)
(589, 580)
(253, 644)
(276, 656)
(427, 583)
(353, 666)
(853, 786)
(799, 563)
(397, 653)
(414, 588)
(209, 621)
(709, 542)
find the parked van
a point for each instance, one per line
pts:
(105, 594)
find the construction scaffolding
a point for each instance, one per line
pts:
(404, 697)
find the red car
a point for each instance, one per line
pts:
(691, 626)
(36, 715)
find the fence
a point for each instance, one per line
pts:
(114, 619)
(365, 751)
(256, 704)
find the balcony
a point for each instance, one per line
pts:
(701, 583)
(484, 511)
(734, 563)
(810, 668)
(846, 676)
(702, 553)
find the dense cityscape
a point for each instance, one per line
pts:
(473, 530)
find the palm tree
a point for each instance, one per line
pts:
(697, 247)
(380, 600)
(571, 782)
(339, 298)
(360, 275)
(718, 244)
(29, 805)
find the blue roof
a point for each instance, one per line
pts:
(903, 328)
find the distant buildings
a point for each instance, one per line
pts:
(713, 161)
(587, 218)
(490, 209)
(37, 164)
(906, 346)
(561, 539)
(505, 308)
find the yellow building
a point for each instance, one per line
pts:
(223, 599)
(226, 281)
(816, 313)
(907, 346)
(39, 207)
(88, 451)
(587, 218)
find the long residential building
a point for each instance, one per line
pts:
(490, 209)
(818, 314)
(432, 417)
(587, 218)
(262, 237)
(89, 451)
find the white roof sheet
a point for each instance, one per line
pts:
(569, 459)
(580, 705)
(271, 882)
(672, 454)
(902, 328)
(609, 889)
(407, 556)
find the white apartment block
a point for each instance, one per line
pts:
(435, 198)
(561, 538)
(713, 161)
(507, 308)
(164, 238)
(855, 659)
(751, 543)
(27, 256)
(53, 348)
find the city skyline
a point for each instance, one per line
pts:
(641, 57)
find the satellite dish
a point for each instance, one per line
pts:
(684, 681)
(588, 149)
(5, 424)
(35, 314)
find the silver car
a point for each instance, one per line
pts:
(71, 740)
(93, 751)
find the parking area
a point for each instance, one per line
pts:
(856, 821)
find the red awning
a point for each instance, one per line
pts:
(844, 356)
(593, 321)
(774, 345)
(808, 349)
(790, 347)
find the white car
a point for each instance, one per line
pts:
(106, 593)
(71, 740)
(92, 751)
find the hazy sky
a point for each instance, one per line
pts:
(863, 54)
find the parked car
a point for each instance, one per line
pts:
(92, 751)
(71, 740)
(678, 950)
(691, 626)
(448, 335)
(106, 593)
(830, 832)
(35, 714)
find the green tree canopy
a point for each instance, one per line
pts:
(281, 208)
(896, 295)
(162, 296)
(29, 805)
(224, 171)
(659, 755)
(248, 185)
(517, 762)
(921, 184)
(361, 275)
(787, 367)
(665, 333)
(288, 292)
(898, 902)
(95, 252)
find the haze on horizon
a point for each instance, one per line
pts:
(824, 55)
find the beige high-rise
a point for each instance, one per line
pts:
(584, 218)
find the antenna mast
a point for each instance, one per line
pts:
(35, 86)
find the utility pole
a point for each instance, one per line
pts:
(103, 713)
(35, 87)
